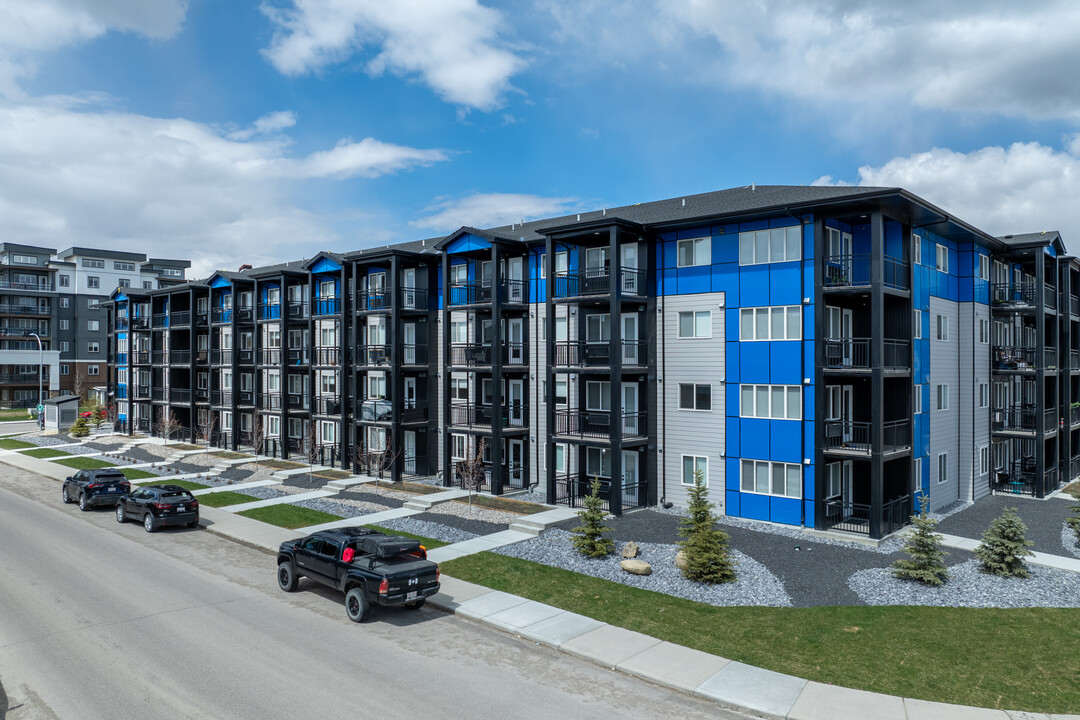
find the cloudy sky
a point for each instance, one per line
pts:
(264, 130)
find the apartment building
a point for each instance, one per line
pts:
(821, 356)
(28, 308)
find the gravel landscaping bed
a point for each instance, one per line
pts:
(266, 492)
(436, 531)
(755, 586)
(530, 496)
(385, 499)
(345, 507)
(1069, 542)
(968, 586)
(472, 526)
(1042, 517)
(304, 483)
(46, 440)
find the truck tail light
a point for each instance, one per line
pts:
(438, 573)
(384, 586)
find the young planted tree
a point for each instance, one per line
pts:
(258, 438)
(472, 471)
(589, 538)
(79, 382)
(926, 563)
(705, 545)
(167, 426)
(311, 448)
(207, 429)
(1004, 546)
(1074, 521)
(383, 459)
(80, 429)
(97, 416)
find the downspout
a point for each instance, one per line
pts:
(802, 370)
(663, 405)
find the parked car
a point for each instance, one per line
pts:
(369, 567)
(158, 506)
(91, 488)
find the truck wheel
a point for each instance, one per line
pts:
(286, 577)
(357, 606)
(416, 604)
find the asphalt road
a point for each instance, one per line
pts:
(99, 620)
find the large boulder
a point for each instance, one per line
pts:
(630, 550)
(680, 560)
(636, 567)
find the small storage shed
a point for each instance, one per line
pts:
(61, 412)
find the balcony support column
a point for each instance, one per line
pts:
(283, 367)
(234, 368)
(549, 354)
(877, 372)
(820, 474)
(444, 410)
(397, 382)
(498, 409)
(1040, 373)
(615, 352)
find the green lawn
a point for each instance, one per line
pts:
(333, 474)
(1073, 489)
(429, 543)
(282, 464)
(14, 415)
(229, 455)
(45, 452)
(83, 463)
(289, 516)
(137, 474)
(13, 444)
(226, 497)
(182, 446)
(1018, 659)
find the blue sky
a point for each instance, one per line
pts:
(246, 131)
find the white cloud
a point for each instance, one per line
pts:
(492, 210)
(168, 187)
(453, 46)
(1026, 187)
(269, 124)
(994, 56)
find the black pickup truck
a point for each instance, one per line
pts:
(370, 567)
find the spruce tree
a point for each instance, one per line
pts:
(706, 546)
(1004, 546)
(80, 428)
(589, 536)
(926, 563)
(1074, 521)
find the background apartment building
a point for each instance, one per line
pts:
(821, 356)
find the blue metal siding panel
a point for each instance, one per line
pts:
(732, 506)
(732, 403)
(326, 265)
(731, 325)
(785, 510)
(808, 513)
(725, 247)
(784, 286)
(754, 507)
(754, 362)
(467, 242)
(732, 360)
(725, 279)
(754, 439)
(732, 435)
(785, 363)
(785, 441)
(694, 279)
(754, 286)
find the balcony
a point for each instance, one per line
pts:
(157, 393)
(245, 357)
(21, 378)
(142, 392)
(476, 415)
(202, 395)
(845, 437)
(245, 313)
(854, 354)
(296, 310)
(327, 405)
(571, 490)
(1074, 305)
(1074, 413)
(298, 401)
(270, 356)
(414, 298)
(202, 319)
(179, 357)
(270, 400)
(326, 306)
(855, 518)
(480, 293)
(414, 355)
(850, 271)
(1022, 420)
(121, 323)
(1074, 359)
(597, 424)
(221, 357)
(270, 312)
(1021, 478)
(1019, 358)
(297, 356)
(367, 300)
(470, 355)
(160, 320)
(382, 410)
(245, 398)
(140, 322)
(328, 356)
(141, 357)
(598, 281)
(12, 309)
(1050, 297)
(179, 395)
(220, 315)
(182, 317)
(41, 286)
(1012, 296)
(373, 355)
(584, 354)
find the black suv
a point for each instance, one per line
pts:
(90, 488)
(159, 505)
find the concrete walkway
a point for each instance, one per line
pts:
(283, 500)
(1060, 562)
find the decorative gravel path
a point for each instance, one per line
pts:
(437, 531)
(465, 524)
(755, 584)
(345, 507)
(384, 499)
(1069, 541)
(968, 586)
(1042, 517)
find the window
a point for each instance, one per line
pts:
(65, 324)
(457, 447)
(984, 395)
(942, 467)
(560, 458)
(775, 245)
(64, 280)
(692, 464)
(984, 267)
(246, 382)
(984, 331)
(695, 324)
(65, 302)
(93, 347)
(459, 331)
(148, 285)
(769, 478)
(917, 329)
(695, 397)
(916, 399)
(459, 388)
(328, 432)
(459, 274)
(202, 381)
(89, 263)
(942, 258)
(64, 369)
(598, 328)
(942, 327)
(942, 397)
(916, 249)
(124, 283)
(328, 383)
(697, 251)
(226, 379)
(376, 385)
(598, 396)
(775, 402)
(273, 428)
(562, 393)
(124, 266)
(273, 381)
(918, 472)
(562, 262)
(25, 259)
(93, 325)
(172, 272)
(771, 323)
(984, 459)
(65, 346)
(93, 369)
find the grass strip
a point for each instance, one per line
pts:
(287, 516)
(505, 504)
(137, 474)
(333, 474)
(1073, 489)
(429, 543)
(44, 452)
(225, 497)
(417, 488)
(13, 444)
(183, 447)
(229, 455)
(1017, 659)
(84, 463)
(282, 464)
(186, 484)
(14, 415)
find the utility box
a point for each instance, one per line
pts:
(61, 412)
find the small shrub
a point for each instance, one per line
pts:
(706, 546)
(589, 536)
(926, 563)
(1004, 546)
(1074, 521)
(80, 428)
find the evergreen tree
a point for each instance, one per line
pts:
(1074, 521)
(80, 428)
(1004, 546)
(589, 536)
(926, 563)
(706, 546)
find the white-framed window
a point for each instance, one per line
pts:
(65, 302)
(561, 451)
(459, 331)
(90, 263)
(562, 262)
(459, 388)
(916, 399)
(694, 396)
(774, 402)
(696, 251)
(296, 428)
(984, 459)
(984, 331)
(984, 267)
(771, 478)
(65, 324)
(92, 304)
(64, 280)
(93, 347)
(326, 288)
(942, 397)
(226, 421)
(692, 464)
(64, 369)
(93, 282)
(93, 325)
(916, 332)
(273, 381)
(377, 385)
(65, 346)
(328, 383)
(327, 432)
(246, 382)
(273, 426)
(562, 391)
(918, 472)
(93, 369)
(695, 324)
(598, 328)
(123, 266)
(148, 284)
(172, 272)
(771, 323)
(598, 396)
(25, 259)
(943, 467)
(916, 249)
(942, 327)
(984, 395)
(459, 274)
(457, 447)
(202, 381)
(775, 245)
(226, 379)
(942, 258)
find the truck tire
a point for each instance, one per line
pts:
(286, 577)
(416, 604)
(357, 606)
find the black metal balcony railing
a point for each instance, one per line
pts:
(582, 354)
(1050, 296)
(846, 436)
(140, 323)
(854, 354)
(477, 415)
(373, 300)
(270, 400)
(414, 355)
(1074, 359)
(245, 313)
(854, 271)
(179, 395)
(298, 356)
(298, 401)
(1015, 357)
(121, 323)
(11, 309)
(1074, 306)
(142, 424)
(373, 355)
(327, 356)
(469, 293)
(161, 320)
(571, 490)
(221, 357)
(180, 317)
(597, 424)
(157, 393)
(141, 357)
(329, 305)
(598, 281)
(1013, 419)
(142, 392)
(202, 319)
(470, 354)
(21, 378)
(270, 356)
(246, 356)
(895, 273)
(1074, 415)
(179, 357)
(1020, 478)
(158, 357)
(245, 398)
(855, 517)
(202, 394)
(1016, 294)
(43, 285)
(296, 310)
(221, 315)
(414, 298)
(1050, 358)
(1051, 419)
(414, 466)
(1074, 469)
(328, 405)
(270, 312)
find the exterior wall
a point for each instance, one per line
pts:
(945, 424)
(690, 432)
(537, 401)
